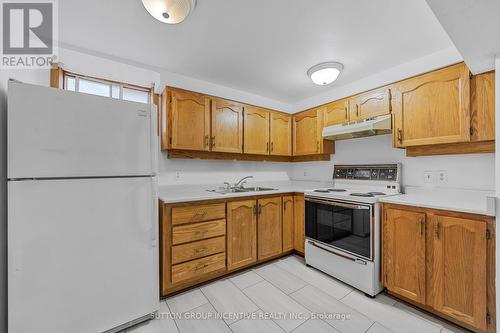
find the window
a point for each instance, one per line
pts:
(105, 88)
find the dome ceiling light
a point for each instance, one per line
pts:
(169, 11)
(325, 73)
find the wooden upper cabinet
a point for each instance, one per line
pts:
(459, 269)
(298, 223)
(433, 108)
(241, 233)
(483, 107)
(404, 253)
(288, 223)
(256, 131)
(189, 120)
(227, 126)
(281, 134)
(336, 113)
(370, 104)
(269, 227)
(307, 132)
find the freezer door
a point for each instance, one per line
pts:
(82, 254)
(59, 133)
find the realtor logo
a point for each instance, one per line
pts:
(28, 33)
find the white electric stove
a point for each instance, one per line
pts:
(342, 223)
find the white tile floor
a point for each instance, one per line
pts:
(287, 286)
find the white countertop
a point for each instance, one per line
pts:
(467, 201)
(183, 193)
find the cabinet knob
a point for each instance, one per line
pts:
(213, 141)
(206, 140)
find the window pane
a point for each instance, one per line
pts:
(70, 83)
(115, 91)
(136, 95)
(93, 87)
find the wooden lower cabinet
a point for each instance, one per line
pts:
(201, 241)
(442, 261)
(288, 223)
(241, 233)
(298, 223)
(404, 253)
(269, 228)
(459, 269)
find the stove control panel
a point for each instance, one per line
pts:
(381, 172)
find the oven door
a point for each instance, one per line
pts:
(345, 226)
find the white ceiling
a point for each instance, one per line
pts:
(474, 27)
(262, 47)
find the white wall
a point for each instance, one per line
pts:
(475, 171)
(186, 171)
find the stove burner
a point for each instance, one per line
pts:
(376, 193)
(367, 195)
(321, 191)
(336, 190)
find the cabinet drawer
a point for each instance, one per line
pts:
(197, 231)
(198, 267)
(203, 248)
(198, 213)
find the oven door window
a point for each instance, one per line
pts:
(345, 228)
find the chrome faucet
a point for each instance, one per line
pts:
(242, 181)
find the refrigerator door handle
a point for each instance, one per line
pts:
(154, 140)
(155, 213)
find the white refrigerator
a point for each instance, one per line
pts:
(82, 211)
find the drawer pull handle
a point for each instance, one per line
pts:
(200, 214)
(201, 250)
(197, 268)
(201, 232)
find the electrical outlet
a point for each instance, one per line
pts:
(442, 177)
(305, 173)
(177, 175)
(428, 177)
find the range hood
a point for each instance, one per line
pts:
(368, 127)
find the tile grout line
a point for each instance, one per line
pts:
(213, 306)
(175, 322)
(284, 292)
(370, 326)
(258, 307)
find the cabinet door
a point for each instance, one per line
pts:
(281, 134)
(269, 227)
(433, 108)
(370, 104)
(307, 127)
(483, 107)
(404, 253)
(241, 233)
(288, 223)
(336, 113)
(459, 269)
(256, 131)
(190, 120)
(227, 126)
(298, 223)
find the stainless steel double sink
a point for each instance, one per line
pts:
(224, 190)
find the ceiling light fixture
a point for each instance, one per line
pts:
(169, 11)
(325, 73)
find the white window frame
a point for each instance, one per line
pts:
(77, 78)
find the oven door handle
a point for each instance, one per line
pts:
(338, 204)
(356, 260)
